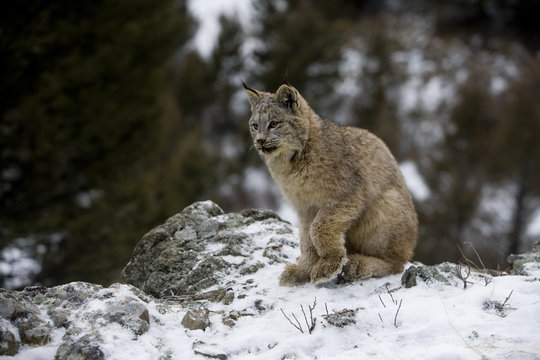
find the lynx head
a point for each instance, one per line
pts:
(278, 124)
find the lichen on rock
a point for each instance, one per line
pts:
(195, 249)
(520, 262)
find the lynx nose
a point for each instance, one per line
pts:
(261, 141)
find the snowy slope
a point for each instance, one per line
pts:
(494, 318)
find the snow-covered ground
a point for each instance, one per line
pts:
(492, 318)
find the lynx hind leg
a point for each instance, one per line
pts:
(362, 266)
(293, 275)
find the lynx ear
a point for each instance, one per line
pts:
(287, 96)
(252, 94)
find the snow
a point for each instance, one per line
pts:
(17, 264)
(533, 229)
(258, 182)
(287, 212)
(207, 13)
(416, 184)
(427, 321)
(86, 198)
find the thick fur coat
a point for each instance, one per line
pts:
(356, 216)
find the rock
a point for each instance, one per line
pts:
(33, 334)
(289, 356)
(82, 309)
(497, 307)
(208, 350)
(341, 318)
(197, 248)
(14, 307)
(58, 316)
(518, 261)
(84, 348)
(9, 342)
(7, 306)
(130, 314)
(260, 214)
(427, 273)
(408, 279)
(228, 298)
(232, 317)
(25, 316)
(196, 320)
(68, 295)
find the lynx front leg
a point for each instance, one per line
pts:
(328, 235)
(297, 274)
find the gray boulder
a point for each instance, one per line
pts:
(426, 273)
(86, 347)
(194, 320)
(24, 316)
(29, 317)
(519, 262)
(199, 247)
(9, 338)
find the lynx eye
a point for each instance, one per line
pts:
(254, 126)
(273, 124)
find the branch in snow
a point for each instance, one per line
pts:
(463, 277)
(397, 312)
(310, 324)
(507, 298)
(382, 302)
(312, 321)
(297, 325)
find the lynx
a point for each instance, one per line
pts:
(356, 216)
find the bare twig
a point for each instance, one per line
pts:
(382, 302)
(464, 277)
(311, 308)
(299, 327)
(507, 298)
(380, 317)
(326, 307)
(466, 259)
(305, 317)
(397, 312)
(477, 255)
(310, 324)
(389, 293)
(298, 322)
(312, 321)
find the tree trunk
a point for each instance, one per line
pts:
(519, 213)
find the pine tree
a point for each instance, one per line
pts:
(456, 173)
(80, 107)
(517, 150)
(302, 42)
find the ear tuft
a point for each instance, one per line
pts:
(286, 78)
(252, 94)
(287, 96)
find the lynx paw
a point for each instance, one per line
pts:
(327, 268)
(293, 275)
(353, 271)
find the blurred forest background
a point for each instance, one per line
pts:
(112, 119)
